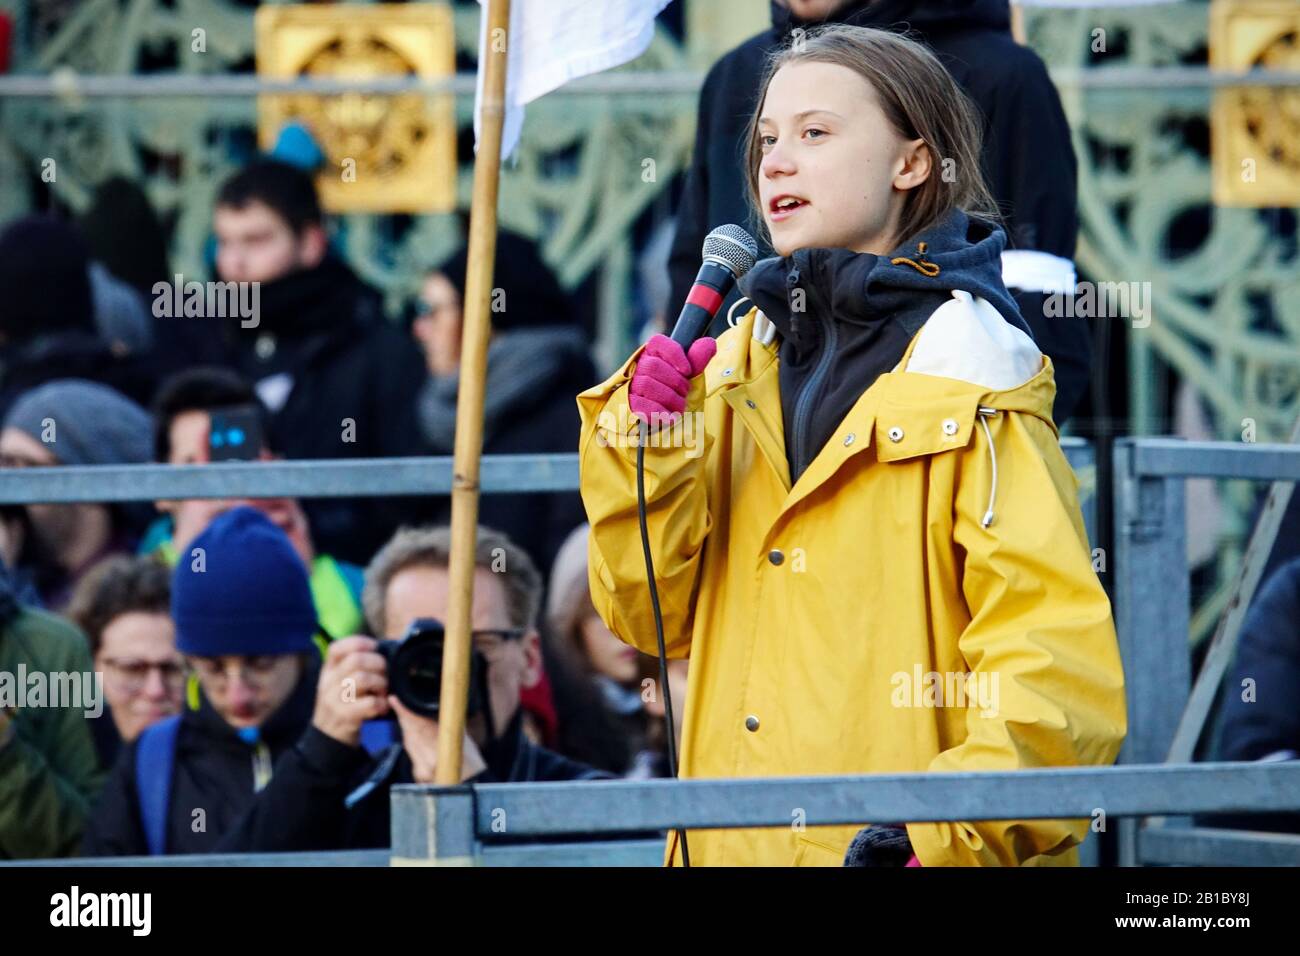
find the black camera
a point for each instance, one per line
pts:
(415, 669)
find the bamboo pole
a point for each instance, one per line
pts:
(469, 398)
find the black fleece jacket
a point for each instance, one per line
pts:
(212, 783)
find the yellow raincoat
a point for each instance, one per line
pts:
(828, 624)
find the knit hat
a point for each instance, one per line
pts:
(296, 146)
(92, 423)
(242, 589)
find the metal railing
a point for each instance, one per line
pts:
(66, 83)
(344, 478)
(1152, 614)
(456, 825)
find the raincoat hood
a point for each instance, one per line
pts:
(960, 253)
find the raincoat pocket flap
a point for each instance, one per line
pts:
(909, 431)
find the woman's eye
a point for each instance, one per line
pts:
(815, 133)
(767, 141)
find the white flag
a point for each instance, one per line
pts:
(553, 41)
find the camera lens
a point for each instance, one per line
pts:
(416, 674)
(415, 670)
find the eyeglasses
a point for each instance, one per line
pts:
(131, 674)
(215, 671)
(493, 634)
(491, 641)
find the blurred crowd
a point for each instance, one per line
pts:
(220, 626)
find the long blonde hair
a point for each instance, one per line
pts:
(921, 101)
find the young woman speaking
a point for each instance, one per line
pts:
(878, 563)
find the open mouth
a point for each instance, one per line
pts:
(782, 207)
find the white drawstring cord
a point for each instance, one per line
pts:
(984, 414)
(731, 319)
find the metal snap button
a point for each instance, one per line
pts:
(750, 402)
(848, 439)
(895, 434)
(751, 723)
(949, 426)
(775, 556)
(726, 371)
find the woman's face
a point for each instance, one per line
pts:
(53, 523)
(143, 674)
(245, 690)
(834, 173)
(438, 326)
(608, 655)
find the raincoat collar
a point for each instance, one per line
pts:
(958, 253)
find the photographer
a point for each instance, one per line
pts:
(328, 793)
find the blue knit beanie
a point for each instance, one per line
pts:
(243, 591)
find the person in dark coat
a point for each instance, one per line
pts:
(48, 772)
(1260, 719)
(240, 604)
(129, 246)
(538, 361)
(71, 422)
(331, 793)
(125, 234)
(1028, 159)
(338, 379)
(48, 324)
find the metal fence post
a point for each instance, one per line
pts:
(1152, 614)
(433, 826)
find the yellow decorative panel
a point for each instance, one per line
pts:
(1255, 131)
(384, 153)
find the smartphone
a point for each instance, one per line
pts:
(236, 434)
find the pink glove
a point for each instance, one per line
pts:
(912, 862)
(663, 374)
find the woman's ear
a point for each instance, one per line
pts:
(915, 165)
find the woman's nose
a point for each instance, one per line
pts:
(238, 693)
(155, 688)
(777, 162)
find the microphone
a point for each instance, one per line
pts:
(729, 252)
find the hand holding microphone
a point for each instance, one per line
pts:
(662, 378)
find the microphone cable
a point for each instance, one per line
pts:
(643, 438)
(729, 252)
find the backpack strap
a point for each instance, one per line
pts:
(155, 759)
(378, 735)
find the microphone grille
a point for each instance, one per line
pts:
(732, 246)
